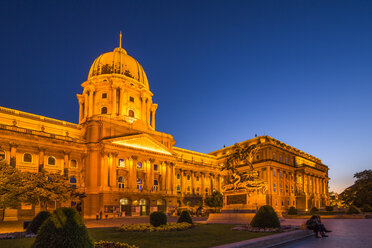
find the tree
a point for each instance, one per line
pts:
(215, 200)
(10, 187)
(360, 192)
(44, 187)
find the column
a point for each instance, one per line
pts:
(148, 184)
(143, 113)
(41, 158)
(148, 111)
(121, 105)
(168, 179)
(192, 182)
(86, 104)
(80, 111)
(114, 102)
(104, 170)
(152, 174)
(113, 164)
(90, 103)
(163, 176)
(13, 152)
(66, 162)
(132, 174)
(173, 181)
(202, 178)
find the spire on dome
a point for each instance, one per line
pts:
(120, 39)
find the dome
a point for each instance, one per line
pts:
(118, 62)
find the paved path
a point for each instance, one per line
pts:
(346, 233)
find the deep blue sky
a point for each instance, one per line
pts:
(221, 71)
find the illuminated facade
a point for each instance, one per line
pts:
(125, 166)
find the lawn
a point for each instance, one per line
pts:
(200, 236)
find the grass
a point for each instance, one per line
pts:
(200, 236)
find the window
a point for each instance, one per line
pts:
(2, 155)
(73, 163)
(274, 174)
(273, 155)
(27, 158)
(178, 176)
(156, 185)
(121, 182)
(280, 158)
(286, 160)
(139, 165)
(282, 203)
(121, 163)
(281, 188)
(280, 174)
(292, 189)
(274, 188)
(155, 167)
(188, 177)
(104, 95)
(188, 190)
(276, 202)
(293, 203)
(131, 99)
(73, 182)
(51, 161)
(286, 189)
(131, 113)
(257, 157)
(103, 110)
(197, 190)
(178, 189)
(139, 183)
(197, 178)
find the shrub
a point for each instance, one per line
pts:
(353, 210)
(329, 208)
(37, 221)
(158, 218)
(185, 217)
(313, 210)
(110, 244)
(292, 211)
(265, 218)
(367, 208)
(63, 229)
(150, 228)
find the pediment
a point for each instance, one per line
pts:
(141, 141)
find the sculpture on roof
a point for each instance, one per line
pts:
(242, 157)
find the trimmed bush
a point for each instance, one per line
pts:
(353, 210)
(185, 217)
(37, 221)
(63, 229)
(313, 210)
(265, 218)
(109, 244)
(367, 208)
(158, 218)
(329, 208)
(292, 211)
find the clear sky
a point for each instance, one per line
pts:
(221, 71)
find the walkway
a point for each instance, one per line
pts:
(345, 233)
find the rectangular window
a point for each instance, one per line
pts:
(274, 188)
(104, 95)
(131, 99)
(281, 188)
(280, 174)
(155, 167)
(280, 158)
(274, 174)
(121, 163)
(273, 155)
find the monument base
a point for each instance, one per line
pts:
(239, 207)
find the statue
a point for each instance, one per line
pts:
(247, 180)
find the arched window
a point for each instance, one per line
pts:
(104, 110)
(2, 155)
(121, 182)
(73, 182)
(27, 158)
(73, 163)
(131, 113)
(51, 160)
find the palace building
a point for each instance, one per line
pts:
(124, 166)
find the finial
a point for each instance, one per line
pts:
(120, 39)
